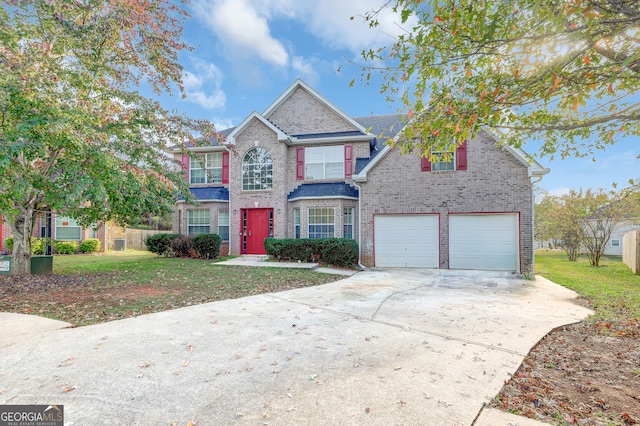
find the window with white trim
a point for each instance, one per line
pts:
(198, 222)
(347, 222)
(68, 229)
(296, 223)
(257, 170)
(321, 222)
(324, 162)
(223, 225)
(615, 243)
(444, 160)
(206, 168)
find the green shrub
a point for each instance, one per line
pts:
(66, 247)
(182, 246)
(90, 245)
(332, 251)
(338, 251)
(160, 244)
(207, 245)
(38, 245)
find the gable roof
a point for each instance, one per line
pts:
(255, 116)
(384, 127)
(301, 84)
(534, 168)
(323, 190)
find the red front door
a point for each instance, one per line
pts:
(257, 224)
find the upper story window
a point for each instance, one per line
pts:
(257, 170)
(454, 158)
(324, 162)
(206, 169)
(445, 160)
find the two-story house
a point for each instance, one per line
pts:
(305, 169)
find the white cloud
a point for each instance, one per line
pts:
(242, 30)
(306, 69)
(222, 123)
(330, 20)
(558, 192)
(204, 88)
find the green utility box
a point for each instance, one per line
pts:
(5, 265)
(39, 265)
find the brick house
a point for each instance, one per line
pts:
(305, 169)
(66, 229)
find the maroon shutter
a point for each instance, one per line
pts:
(300, 163)
(425, 164)
(461, 156)
(348, 161)
(185, 166)
(225, 167)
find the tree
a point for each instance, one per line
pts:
(76, 136)
(560, 218)
(563, 72)
(586, 219)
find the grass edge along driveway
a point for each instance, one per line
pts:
(89, 289)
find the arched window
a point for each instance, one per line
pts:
(257, 170)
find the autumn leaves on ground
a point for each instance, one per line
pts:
(91, 289)
(586, 373)
(582, 374)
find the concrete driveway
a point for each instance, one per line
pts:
(410, 347)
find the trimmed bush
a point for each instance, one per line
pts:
(207, 245)
(90, 245)
(333, 251)
(38, 245)
(160, 244)
(66, 247)
(182, 246)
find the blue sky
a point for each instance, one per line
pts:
(248, 51)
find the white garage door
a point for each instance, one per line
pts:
(484, 241)
(406, 241)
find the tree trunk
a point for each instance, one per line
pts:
(22, 227)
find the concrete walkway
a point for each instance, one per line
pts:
(263, 261)
(395, 347)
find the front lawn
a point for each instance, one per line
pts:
(97, 288)
(612, 290)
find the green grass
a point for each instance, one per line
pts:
(97, 288)
(611, 289)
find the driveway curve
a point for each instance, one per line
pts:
(385, 347)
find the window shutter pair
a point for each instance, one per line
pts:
(461, 159)
(225, 167)
(348, 162)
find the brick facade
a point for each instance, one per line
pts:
(495, 181)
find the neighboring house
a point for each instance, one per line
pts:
(65, 229)
(614, 246)
(305, 169)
